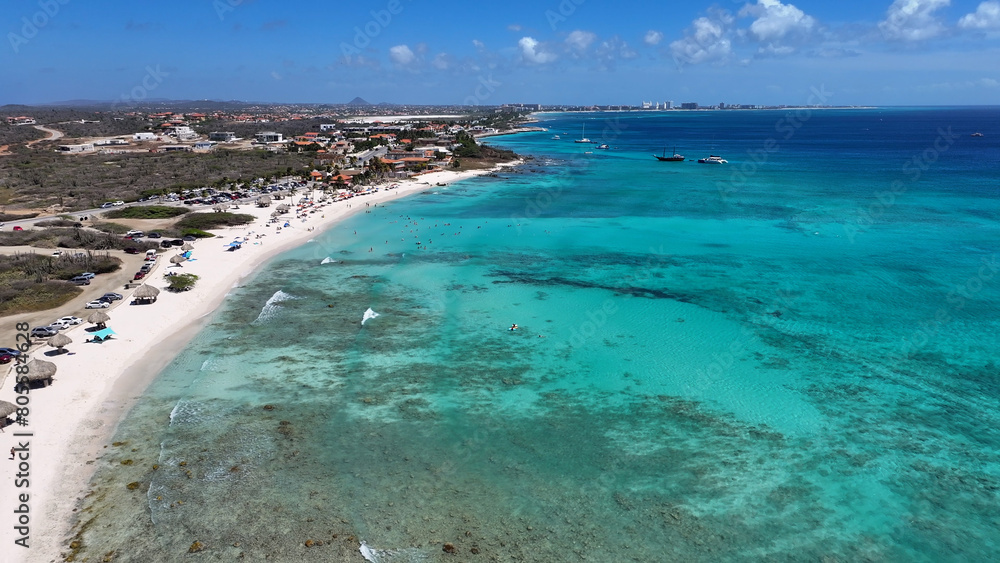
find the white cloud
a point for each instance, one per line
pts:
(652, 37)
(775, 50)
(580, 40)
(913, 20)
(478, 44)
(533, 53)
(706, 40)
(441, 61)
(401, 55)
(609, 52)
(514, 27)
(776, 20)
(986, 16)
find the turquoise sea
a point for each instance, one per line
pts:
(790, 357)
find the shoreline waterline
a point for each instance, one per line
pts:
(97, 385)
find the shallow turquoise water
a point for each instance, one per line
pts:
(786, 357)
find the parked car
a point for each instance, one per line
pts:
(43, 332)
(16, 228)
(88, 275)
(153, 235)
(134, 233)
(131, 250)
(59, 325)
(138, 276)
(97, 305)
(177, 242)
(168, 243)
(80, 280)
(189, 238)
(6, 358)
(111, 296)
(71, 320)
(10, 351)
(107, 205)
(118, 203)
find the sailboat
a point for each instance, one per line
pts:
(583, 136)
(675, 158)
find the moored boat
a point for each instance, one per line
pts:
(674, 158)
(712, 159)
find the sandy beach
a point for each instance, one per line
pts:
(71, 421)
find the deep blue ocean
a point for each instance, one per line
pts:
(789, 357)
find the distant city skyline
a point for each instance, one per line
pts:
(563, 52)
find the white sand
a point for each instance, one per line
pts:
(73, 419)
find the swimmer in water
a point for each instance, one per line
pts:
(513, 326)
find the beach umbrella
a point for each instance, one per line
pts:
(177, 259)
(217, 209)
(7, 409)
(187, 246)
(60, 341)
(146, 291)
(40, 370)
(99, 318)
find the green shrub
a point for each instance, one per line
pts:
(181, 282)
(57, 223)
(113, 228)
(205, 221)
(13, 218)
(146, 212)
(197, 233)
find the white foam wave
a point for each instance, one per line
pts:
(369, 314)
(272, 306)
(328, 260)
(187, 412)
(386, 555)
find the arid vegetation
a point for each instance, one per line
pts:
(36, 178)
(34, 282)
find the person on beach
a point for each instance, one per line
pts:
(12, 452)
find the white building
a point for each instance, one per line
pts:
(269, 137)
(184, 133)
(88, 147)
(144, 137)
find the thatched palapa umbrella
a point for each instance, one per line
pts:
(177, 259)
(146, 292)
(99, 318)
(40, 370)
(60, 341)
(7, 409)
(187, 246)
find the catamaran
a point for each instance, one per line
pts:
(713, 160)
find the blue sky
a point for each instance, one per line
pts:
(874, 52)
